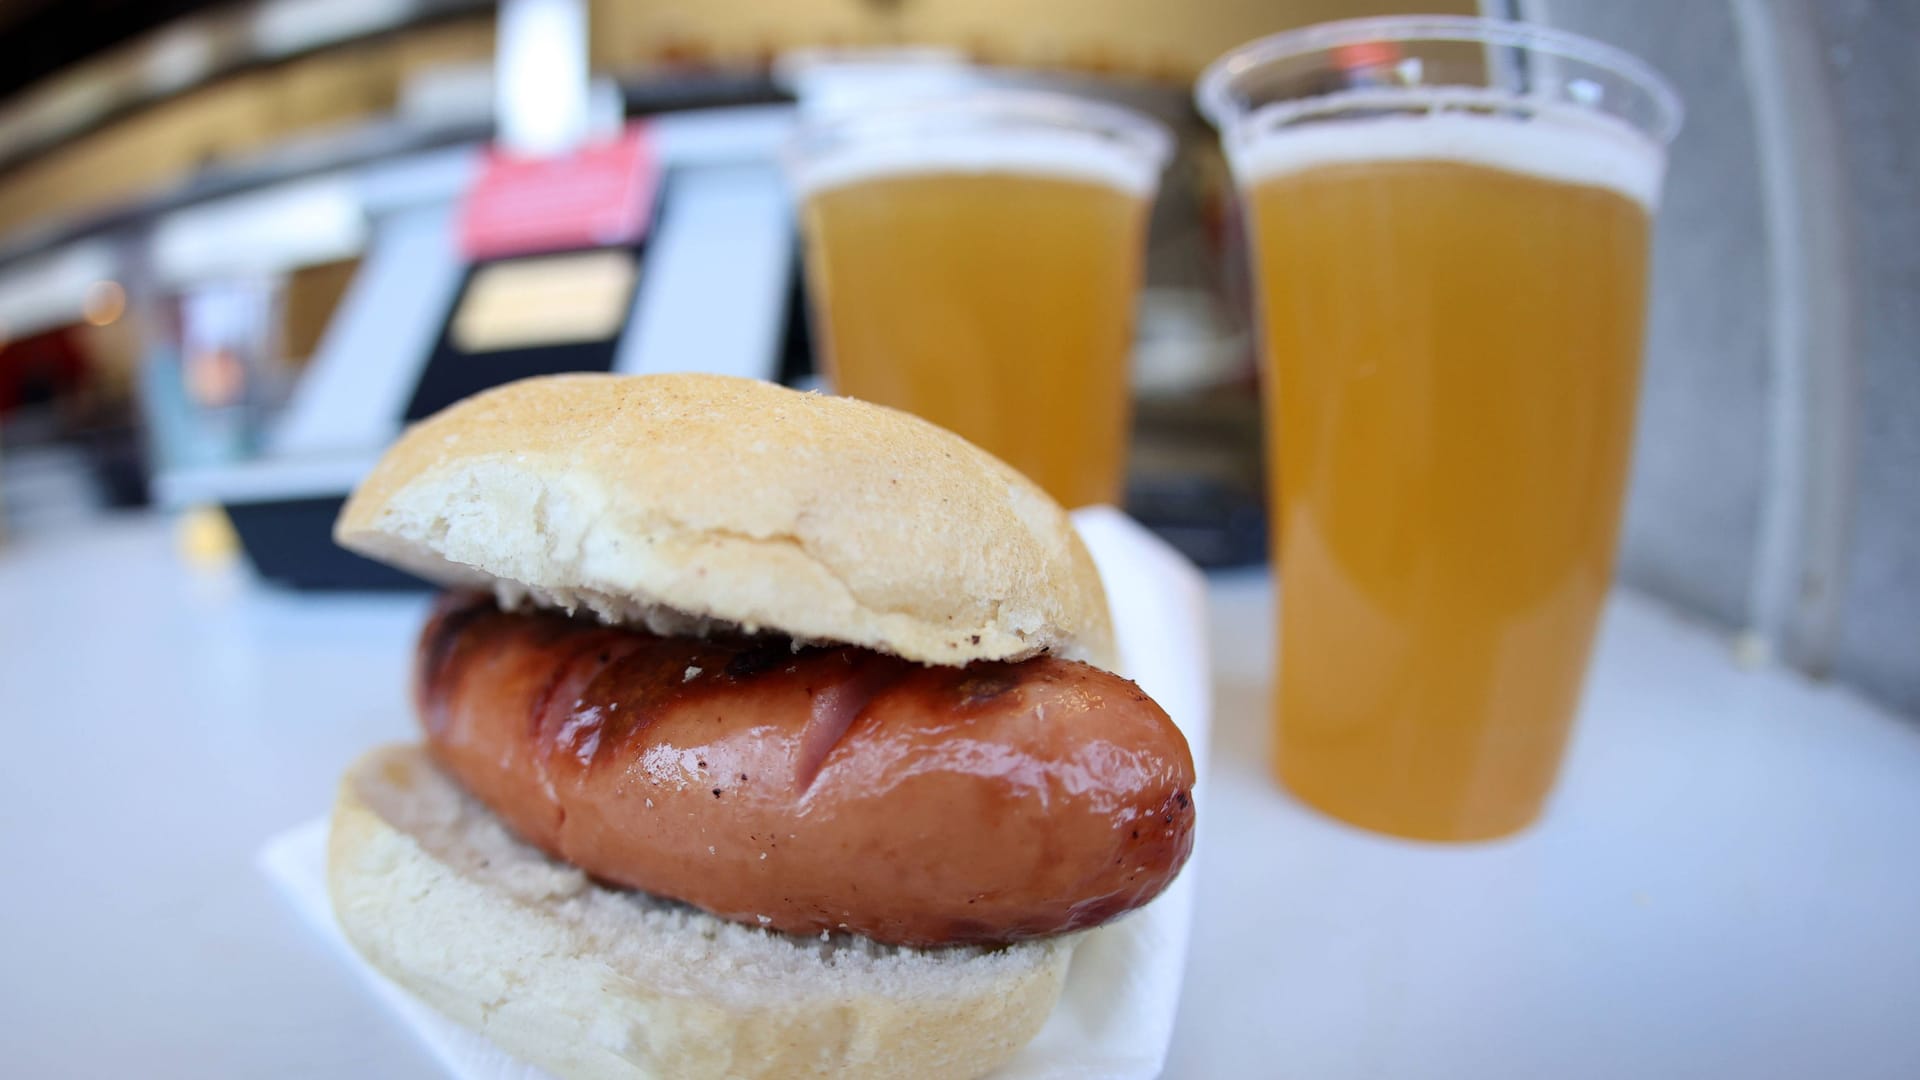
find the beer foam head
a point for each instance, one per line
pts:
(1063, 155)
(1564, 145)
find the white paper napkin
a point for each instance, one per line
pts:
(1115, 1017)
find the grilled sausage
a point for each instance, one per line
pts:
(817, 789)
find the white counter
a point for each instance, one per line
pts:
(1728, 884)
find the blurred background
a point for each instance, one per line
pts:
(238, 245)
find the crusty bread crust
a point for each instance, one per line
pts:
(679, 501)
(587, 981)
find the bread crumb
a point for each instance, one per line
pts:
(649, 804)
(763, 855)
(710, 850)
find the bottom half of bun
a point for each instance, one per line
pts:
(587, 981)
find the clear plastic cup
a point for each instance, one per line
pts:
(975, 259)
(1450, 221)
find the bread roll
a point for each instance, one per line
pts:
(684, 501)
(591, 982)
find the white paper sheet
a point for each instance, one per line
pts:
(1115, 1018)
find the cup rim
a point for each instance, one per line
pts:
(921, 118)
(1214, 100)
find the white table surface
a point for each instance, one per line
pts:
(1728, 883)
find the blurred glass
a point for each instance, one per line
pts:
(975, 260)
(1450, 222)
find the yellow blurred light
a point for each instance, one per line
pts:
(205, 538)
(106, 301)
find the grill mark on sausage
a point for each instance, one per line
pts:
(560, 720)
(982, 685)
(756, 659)
(838, 704)
(453, 614)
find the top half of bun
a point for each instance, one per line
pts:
(685, 501)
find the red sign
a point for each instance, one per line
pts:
(600, 195)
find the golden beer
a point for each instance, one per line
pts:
(1453, 309)
(987, 283)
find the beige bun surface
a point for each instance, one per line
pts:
(587, 981)
(683, 501)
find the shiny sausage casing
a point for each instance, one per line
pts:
(820, 789)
